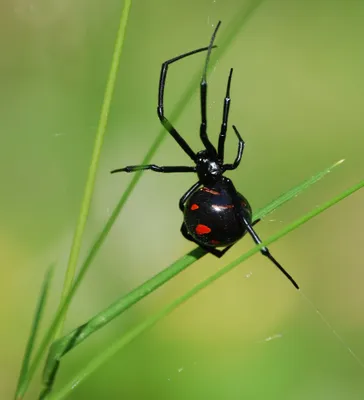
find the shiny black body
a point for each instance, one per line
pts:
(221, 211)
(215, 214)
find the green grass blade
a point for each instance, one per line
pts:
(296, 191)
(151, 321)
(57, 323)
(63, 345)
(85, 207)
(234, 27)
(34, 330)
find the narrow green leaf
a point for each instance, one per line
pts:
(296, 190)
(57, 323)
(85, 207)
(63, 345)
(99, 360)
(34, 329)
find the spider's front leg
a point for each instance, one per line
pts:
(155, 168)
(225, 116)
(241, 144)
(203, 99)
(160, 109)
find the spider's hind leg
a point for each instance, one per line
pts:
(256, 221)
(265, 252)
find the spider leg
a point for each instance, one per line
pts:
(155, 168)
(187, 195)
(225, 117)
(256, 221)
(212, 250)
(160, 109)
(203, 90)
(267, 253)
(241, 145)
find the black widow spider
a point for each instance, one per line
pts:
(215, 214)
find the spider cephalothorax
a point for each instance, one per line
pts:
(209, 169)
(215, 214)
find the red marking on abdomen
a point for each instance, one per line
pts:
(214, 241)
(202, 229)
(205, 189)
(194, 207)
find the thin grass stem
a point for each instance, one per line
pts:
(38, 314)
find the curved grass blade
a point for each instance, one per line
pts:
(34, 328)
(86, 202)
(297, 190)
(68, 342)
(151, 321)
(63, 345)
(82, 219)
(235, 26)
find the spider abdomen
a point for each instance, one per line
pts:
(213, 216)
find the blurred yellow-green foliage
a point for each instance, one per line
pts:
(297, 98)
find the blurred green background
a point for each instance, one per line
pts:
(297, 99)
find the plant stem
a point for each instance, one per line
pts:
(39, 311)
(85, 207)
(57, 324)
